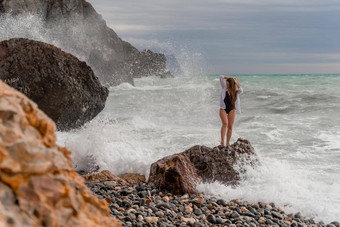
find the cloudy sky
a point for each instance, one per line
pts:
(234, 36)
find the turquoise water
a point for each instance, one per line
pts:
(291, 120)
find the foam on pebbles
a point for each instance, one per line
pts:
(142, 205)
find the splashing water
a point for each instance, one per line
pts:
(298, 146)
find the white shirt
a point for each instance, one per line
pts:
(224, 90)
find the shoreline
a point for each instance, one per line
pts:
(140, 204)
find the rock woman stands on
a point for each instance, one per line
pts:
(229, 105)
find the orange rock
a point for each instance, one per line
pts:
(103, 175)
(243, 209)
(148, 200)
(200, 200)
(108, 200)
(37, 183)
(133, 177)
(288, 219)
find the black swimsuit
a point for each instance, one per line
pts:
(227, 101)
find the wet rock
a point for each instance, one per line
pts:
(38, 184)
(175, 174)
(218, 164)
(336, 223)
(64, 87)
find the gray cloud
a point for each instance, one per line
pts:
(262, 36)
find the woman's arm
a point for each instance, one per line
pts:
(239, 89)
(237, 83)
(222, 81)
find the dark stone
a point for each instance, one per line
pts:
(124, 192)
(179, 175)
(140, 188)
(221, 202)
(211, 218)
(154, 192)
(142, 194)
(277, 215)
(219, 221)
(216, 164)
(337, 224)
(163, 206)
(267, 212)
(298, 215)
(197, 212)
(64, 87)
(142, 202)
(235, 215)
(248, 214)
(126, 204)
(252, 210)
(127, 218)
(197, 224)
(139, 224)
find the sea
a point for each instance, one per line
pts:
(292, 121)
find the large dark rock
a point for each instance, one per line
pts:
(77, 28)
(65, 88)
(202, 164)
(175, 174)
(223, 164)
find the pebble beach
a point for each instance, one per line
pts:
(142, 205)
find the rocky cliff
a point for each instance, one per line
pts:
(80, 30)
(38, 186)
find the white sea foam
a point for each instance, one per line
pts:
(286, 185)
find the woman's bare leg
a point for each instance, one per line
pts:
(231, 118)
(224, 119)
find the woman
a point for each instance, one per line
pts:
(229, 105)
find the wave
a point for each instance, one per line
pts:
(280, 182)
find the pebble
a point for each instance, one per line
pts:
(211, 218)
(188, 210)
(235, 215)
(142, 205)
(151, 219)
(198, 212)
(166, 199)
(190, 220)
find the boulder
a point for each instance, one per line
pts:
(179, 173)
(38, 186)
(175, 174)
(77, 28)
(64, 87)
(223, 164)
